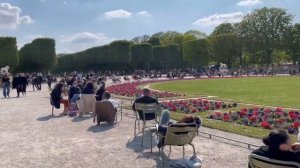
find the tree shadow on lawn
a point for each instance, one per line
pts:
(100, 128)
(48, 117)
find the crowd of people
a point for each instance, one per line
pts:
(278, 144)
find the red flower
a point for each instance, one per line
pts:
(265, 125)
(296, 125)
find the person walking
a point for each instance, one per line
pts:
(6, 85)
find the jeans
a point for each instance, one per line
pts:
(6, 89)
(75, 98)
(165, 117)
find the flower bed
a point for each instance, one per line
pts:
(262, 117)
(195, 105)
(132, 90)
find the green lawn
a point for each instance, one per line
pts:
(273, 91)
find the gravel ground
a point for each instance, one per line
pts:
(31, 137)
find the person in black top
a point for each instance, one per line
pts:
(146, 99)
(49, 81)
(74, 92)
(100, 92)
(6, 85)
(88, 89)
(279, 146)
(56, 95)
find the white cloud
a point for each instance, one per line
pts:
(81, 41)
(10, 16)
(85, 37)
(26, 20)
(249, 2)
(216, 19)
(117, 14)
(143, 13)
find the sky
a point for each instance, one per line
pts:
(80, 24)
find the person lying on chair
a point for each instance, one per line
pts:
(165, 122)
(279, 146)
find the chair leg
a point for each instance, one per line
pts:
(135, 128)
(194, 150)
(170, 150)
(162, 156)
(183, 151)
(143, 130)
(151, 141)
(52, 110)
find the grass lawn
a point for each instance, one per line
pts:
(273, 91)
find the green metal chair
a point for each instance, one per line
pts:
(256, 161)
(146, 124)
(179, 134)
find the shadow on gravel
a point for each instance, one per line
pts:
(101, 128)
(48, 117)
(80, 119)
(135, 143)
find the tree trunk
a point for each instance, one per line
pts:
(269, 54)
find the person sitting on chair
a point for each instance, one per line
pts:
(165, 122)
(88, 89)
(145, 99)
(106, 96)
(74, 92)
(56, 98)
(279, 146)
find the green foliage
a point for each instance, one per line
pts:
(195, 34)
(263, 31)
(38, 56)
(154, 41)
(224, 28)
(166, 57)
(226, 48)
(115, 56)
(8, 52)
(196, 53)
(141, 56)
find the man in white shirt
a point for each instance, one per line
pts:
(106, 96)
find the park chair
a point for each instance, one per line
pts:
(179, 134)
(256, 161)
(86, 103)
(105, 112)
(152, 108)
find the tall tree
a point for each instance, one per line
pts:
(166, 57)
(141, 56)
(292, 43)
(226, 48)
(38, 56)
(195, 52)
(8, 52)
(195, 33)
(263, 31)
(224, 28)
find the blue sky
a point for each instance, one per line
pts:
(80, 24)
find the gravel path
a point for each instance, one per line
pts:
(30, 137)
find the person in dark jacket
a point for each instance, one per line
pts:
(145, 99)
(6, 85)
(88, 89)
(56, 95)
(279, 146)
(74, 92)
(16, 84)
(100, 92)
